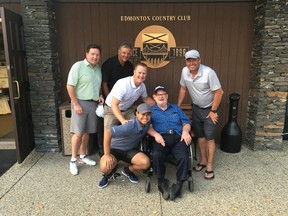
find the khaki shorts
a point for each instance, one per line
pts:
(110, 119)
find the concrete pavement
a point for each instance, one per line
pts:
(246, 183)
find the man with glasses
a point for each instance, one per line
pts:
(170, 129)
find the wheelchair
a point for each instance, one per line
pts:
(146, 147)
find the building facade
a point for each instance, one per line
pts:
(263, 76)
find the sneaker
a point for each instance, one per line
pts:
(106, 178)
(133, 178)
(73, 168)
(87, 161)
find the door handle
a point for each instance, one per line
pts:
(17, 88)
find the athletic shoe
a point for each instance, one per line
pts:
(133, 178)
(73, 168)
(106, 178)
(87, 161)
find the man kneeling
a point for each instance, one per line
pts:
(121, 143)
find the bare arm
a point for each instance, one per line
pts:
(216, 101)
(115, 108)
(149, 101)
(217, 98)
(105, 89)
(74, 100)
(107, 141)
(158, 138)
(181, 95)
(185, 134)
(109, 160)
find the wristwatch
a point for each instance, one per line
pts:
(214, 111)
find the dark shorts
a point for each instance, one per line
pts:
(203, 126)
(125, 156)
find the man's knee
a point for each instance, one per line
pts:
(146, 163)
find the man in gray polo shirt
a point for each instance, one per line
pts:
(121, 142)
(206, 93)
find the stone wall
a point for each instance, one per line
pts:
(269, 76)
(43, 71)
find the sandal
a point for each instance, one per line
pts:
(199, 167)
(207, 173)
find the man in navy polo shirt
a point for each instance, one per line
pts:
(121, 143)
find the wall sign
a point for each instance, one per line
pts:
(155, 46)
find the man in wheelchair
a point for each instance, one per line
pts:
(170, 129)
(121, 143)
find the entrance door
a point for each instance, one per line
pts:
(19, 91)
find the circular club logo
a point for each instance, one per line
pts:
(154, 43)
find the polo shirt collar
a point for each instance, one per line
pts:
(168, 106)
(132, 82)
(86, 62)
(139, 127)
(89, 65)
(199, 73)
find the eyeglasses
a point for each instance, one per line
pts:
(159, 95)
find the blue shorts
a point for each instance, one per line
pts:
(203, 126)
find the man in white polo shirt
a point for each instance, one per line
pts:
(119, 102)
(206, 93)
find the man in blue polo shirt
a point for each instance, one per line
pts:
(170, 129)
(121, 143)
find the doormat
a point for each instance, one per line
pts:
(7, 159)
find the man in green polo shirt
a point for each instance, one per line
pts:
(83, 86)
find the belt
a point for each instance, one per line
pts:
(201, 107)
(120, 110)
(91, 100)
(171, 131)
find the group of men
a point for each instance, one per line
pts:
(121, 85)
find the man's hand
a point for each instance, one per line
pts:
(213, 116)
(159, 139)
(101, 100)
(109, 161)
(78, 109)
(186, 137)
(124, 121)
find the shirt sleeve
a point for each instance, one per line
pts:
(214, 81)
(73, 75)
(121, 130)
(183, 116)
(182, 82)
(106, 70)
(144, 94)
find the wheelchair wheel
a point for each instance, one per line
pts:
(190, 184)
(147, 185)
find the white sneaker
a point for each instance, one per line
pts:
(73, 168)
(87, 161)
